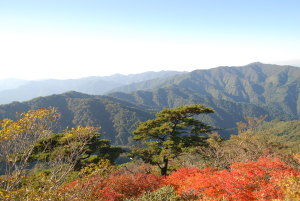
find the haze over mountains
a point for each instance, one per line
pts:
(11, 83)
(234, 92)
(22, 90)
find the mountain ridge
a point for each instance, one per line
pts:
(254, 83)
(90, 85)
(254, 90)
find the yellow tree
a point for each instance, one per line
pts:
(75, 143)
(27, 141)
(17, 139)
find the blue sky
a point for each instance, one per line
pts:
(71, 38)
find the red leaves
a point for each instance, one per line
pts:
(114, 188)
(179, 177)
(255, 180)
(246, 181)
(129, 185)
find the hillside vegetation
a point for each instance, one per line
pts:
(233, 92)
(256, 164)
(288, 131)
(257, 83)
(116, 118)
(119, 114)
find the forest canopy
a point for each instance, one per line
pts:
(256, 164)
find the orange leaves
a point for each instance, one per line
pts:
(265, 179)
(178, 178)
(129, 185)
(114, 187)
(102, 182)
(246, 181)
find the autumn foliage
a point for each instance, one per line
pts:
(256, 180)
(112, 188)
(265, 179)
(240, 171)
(129, 185)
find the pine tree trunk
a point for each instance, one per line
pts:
(165, 168)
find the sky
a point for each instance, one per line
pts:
(65, 39)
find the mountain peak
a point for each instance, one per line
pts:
(75, 94)
(256, 63)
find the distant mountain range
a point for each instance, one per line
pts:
(234, 92)
(11, 83)
(21, 90)
(263, 84)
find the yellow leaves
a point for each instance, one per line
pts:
(251, 123)
(32, 194)
(33, 121)
(291, 187)
(17, 141)
(101, 168)
(297, 157)
(50, 113)
(5, 132)
(80, 132)
(68, 135)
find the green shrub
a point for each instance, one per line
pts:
(166, 193)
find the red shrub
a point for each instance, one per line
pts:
(179, 177)
(246, 181)
(129, 185)
(85, 189)
(113, 188)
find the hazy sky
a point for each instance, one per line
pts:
(77, 38)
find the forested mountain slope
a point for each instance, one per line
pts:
(233, 92)
(119, 114)
(226, 115)
(89, 85)
(116, 118)
(288, 131)
(264, 84)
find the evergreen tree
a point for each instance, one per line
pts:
(172, 132)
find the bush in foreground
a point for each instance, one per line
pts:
(256, 180)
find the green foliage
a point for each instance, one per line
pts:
(227, 112)
(17, 139)
(288, 132)
(25, 90)
(242, 173)
(61, 144)
(116, 118)
(170, 133)
(255, 138)
(165, 193)
(37, 161)
(254, 83)
(254, 90)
